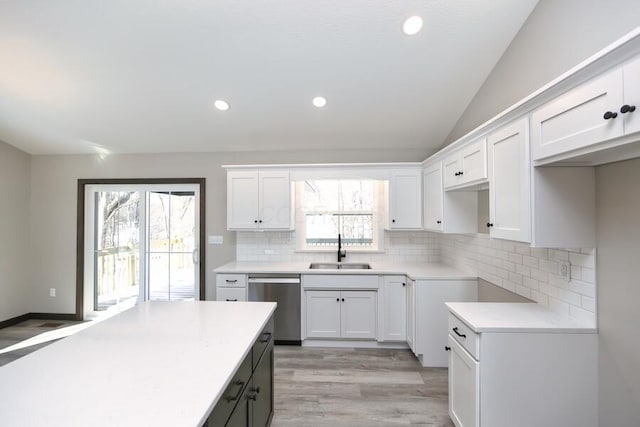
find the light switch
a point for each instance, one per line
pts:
(215, 240)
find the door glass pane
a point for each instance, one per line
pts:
(159, 221)
(158, 277)
(182, 222)
(182, 277)
(117, 245)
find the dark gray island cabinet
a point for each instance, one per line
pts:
(248, 399)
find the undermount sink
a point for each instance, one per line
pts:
(339, 266)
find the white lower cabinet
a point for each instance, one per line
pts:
(394, 309)
(341, 314)
(427, 316)
(231, 294)
(231, 287)
(464, 392)
(524, 379)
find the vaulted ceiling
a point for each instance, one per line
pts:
(86, 76)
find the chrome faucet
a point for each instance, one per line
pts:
(342, 253)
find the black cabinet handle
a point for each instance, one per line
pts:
(458, 333)
(404, 284)
(461, 172)
(489, 224)
(256, 389)
(237, 395)
(610, 115)
(342, 299)
(626, 108)
(232, 299)
(267, 335)
(253, 397)
(260, 221)
(231, 281)
(338, 299)
(255, 221)
(447, 348)
(438, 222)
(393, 220)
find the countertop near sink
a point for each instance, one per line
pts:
(416, 271)
(516, 317)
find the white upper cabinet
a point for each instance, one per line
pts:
(467, 166)
(433, 194)
(598, 111)
(631, 114)
(405, 199)
(510, 182)
(448, 212)
(582, 117)
(258, 200)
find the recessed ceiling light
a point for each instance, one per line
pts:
(319, 101)
(412, 25)
(221, 105)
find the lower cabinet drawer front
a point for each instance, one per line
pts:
(231, 294)
(232, 395)
(231, 280)
(265, 337)
(464, 335)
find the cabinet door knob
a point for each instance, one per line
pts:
(461, 172)
(447, 348)
(489, 224)
(252, 397)
(255, 221)
(342, 299)
(610, 115)
(260, 221)
(438, 222)
(627, 109)
(338, 299)
(404, 284)
(393, 220)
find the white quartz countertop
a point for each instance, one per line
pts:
(159, 363)
(416, 271)
(516, 317)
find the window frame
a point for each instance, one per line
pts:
(378, 218)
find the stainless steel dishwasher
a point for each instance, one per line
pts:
(285, 290)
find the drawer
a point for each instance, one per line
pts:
(231, 395)
(231, 280)
(265, 337)
(464, 335)
(231, 294)
(340, 281)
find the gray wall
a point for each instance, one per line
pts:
(618, 258)
(53, 198)
(15, 263)
(558, 35)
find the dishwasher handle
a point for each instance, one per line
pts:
(274, 280)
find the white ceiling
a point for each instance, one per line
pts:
(80, 76)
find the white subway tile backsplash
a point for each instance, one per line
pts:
(531, 272)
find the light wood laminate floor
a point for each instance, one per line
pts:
(324, 387)
(357, 387)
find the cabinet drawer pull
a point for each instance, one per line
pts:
(231, 281)
(256, 389)
(458, 333)
(447, 348)
(267, 335)
(627, 109)
(237, 395)
(232, 299)
(610, 115)
(253, 397)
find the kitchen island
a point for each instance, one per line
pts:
(159, 363)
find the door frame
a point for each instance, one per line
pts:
(80, 228)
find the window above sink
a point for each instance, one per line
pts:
(351, 207)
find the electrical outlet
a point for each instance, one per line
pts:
(565, 271)
(52, 292)
(215, 240)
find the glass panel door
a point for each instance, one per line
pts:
(144, 245)
(171, 249)
(117, 248)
